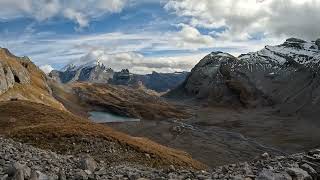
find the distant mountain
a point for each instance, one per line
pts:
(99, 73)
(285, 75)
(20, 79)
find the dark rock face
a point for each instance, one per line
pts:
(162, 82)
(318, 43)
(285, 75)
(122, 78)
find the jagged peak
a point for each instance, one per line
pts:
(295, 40)
(220, 53)
(69, 67)
(89, 64)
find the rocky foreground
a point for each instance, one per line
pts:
(20, 161)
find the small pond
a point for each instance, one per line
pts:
(105, 117)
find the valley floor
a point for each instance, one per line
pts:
(218, 136)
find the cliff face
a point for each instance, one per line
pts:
(286, 74)
(21, 79)
(11, 71)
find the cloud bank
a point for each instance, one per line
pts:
(74, 10)
(172, 36)
(244, 19)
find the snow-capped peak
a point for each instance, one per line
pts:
(81, 65)
(292, 49)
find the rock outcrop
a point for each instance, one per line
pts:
(21, 79)
(11, 71)
(287, 75)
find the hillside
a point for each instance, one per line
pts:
(120, 100)
(63, 132)
(29, 113)
(21, 79)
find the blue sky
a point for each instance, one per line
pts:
(149, 35)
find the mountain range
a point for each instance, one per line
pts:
(227, 109)
(97, 72)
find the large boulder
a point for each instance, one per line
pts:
(88, 163)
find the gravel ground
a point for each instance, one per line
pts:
(20, 161)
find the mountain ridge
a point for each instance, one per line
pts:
(271, 76)
(98, 72)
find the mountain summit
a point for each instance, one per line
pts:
(286, 74)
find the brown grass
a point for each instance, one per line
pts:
(48, 127)
(127, 101)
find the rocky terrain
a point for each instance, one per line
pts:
(96, 72)
(241, 106)
(19, 161)
(21, 79)
(285, 75)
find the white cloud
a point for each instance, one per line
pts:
(190, 37)
(76, 16)
(46, 68)
(120, 49)
(247, 17)
(137, 63)
(79, 12)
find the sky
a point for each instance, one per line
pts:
(149, 35)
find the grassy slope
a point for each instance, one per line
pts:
(47, 127)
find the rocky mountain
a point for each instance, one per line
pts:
(97, 72)
(21, 79)
(285, 75)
